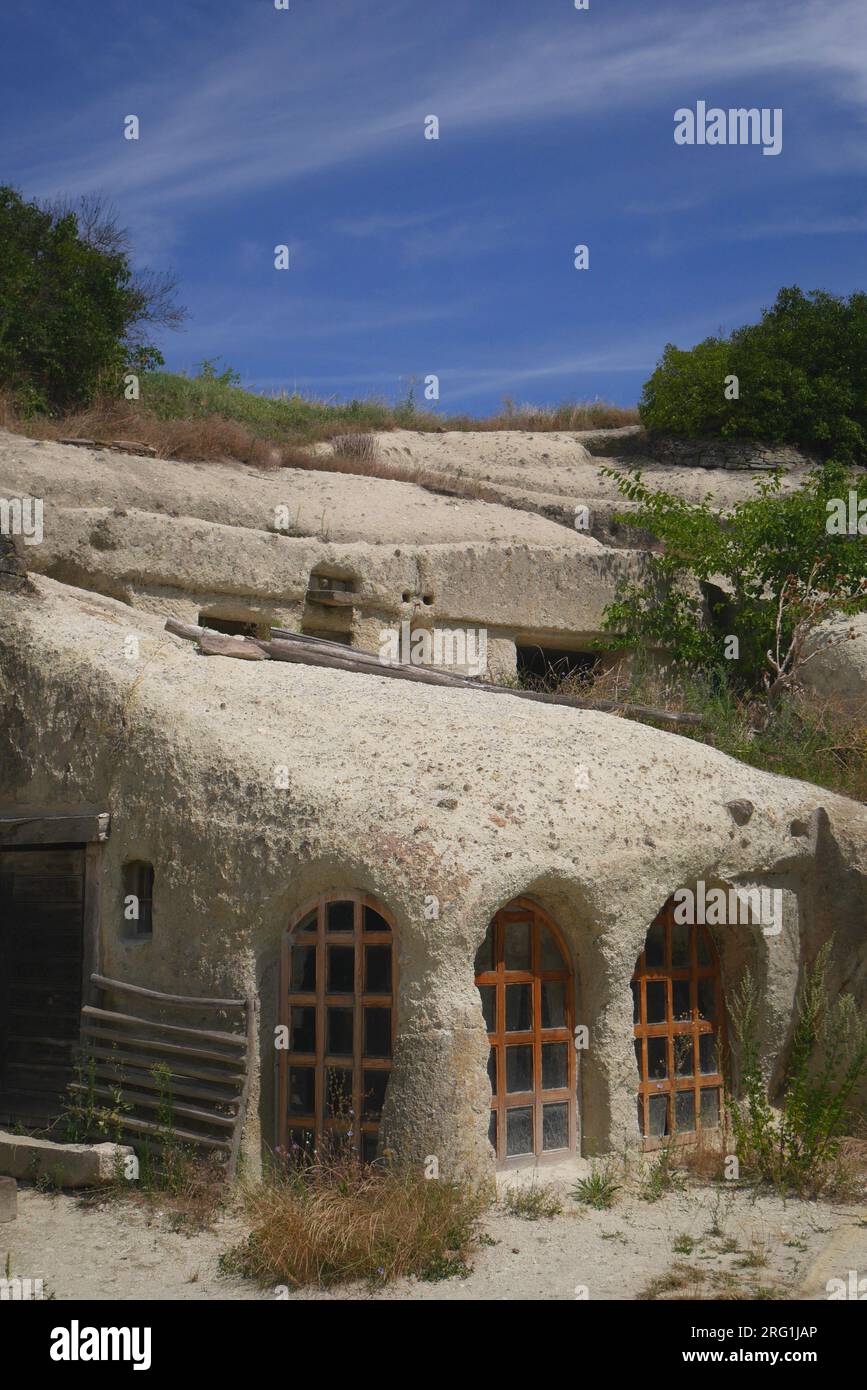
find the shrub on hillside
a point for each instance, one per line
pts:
(765, 573)
(72, 310)
(802, 379)
(798, 1148)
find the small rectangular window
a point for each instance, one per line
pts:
(138, 894)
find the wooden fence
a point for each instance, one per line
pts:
(165, 1081)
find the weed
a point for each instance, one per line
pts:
(599, 1189)
(532, 1201)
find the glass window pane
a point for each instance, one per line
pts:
(657, 1058)
(553, 1003)
(519, 1131)
(373, 1084)
(309, 923)
(377, 969)
(684, 1054)
(302, 1030)
(656, 1001)
(302, 1090)
(550, 956)
(341, 969)
(658, 1117)
(707, 998)
(339, 1033)
(519, 1008)
(636, 1002)
(705, 956)
(488, 995)
(684, 1110)
(340, 916)
(654, 947)
(638, 1057)
(485, 953)
(492, 1070)
(641, 1116)
(710, 1109)
(303, 973)
(369, 1145)
(338, 1093)
(555, 1066)
(708, 1053)
(377, 1032)
(680, 1005)
(680, 946)
(517, 946)
(555, 1126)
(492, 1130)
(374, 921)
(519, 1069)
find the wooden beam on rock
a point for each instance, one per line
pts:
(303, 650)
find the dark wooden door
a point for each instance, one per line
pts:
(41, 943)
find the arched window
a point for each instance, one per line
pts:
(678, 1017)
(337, 1001)
(527, 991)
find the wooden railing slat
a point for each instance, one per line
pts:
(209, 1035)
(183, 1001)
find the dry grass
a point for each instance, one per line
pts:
(683, 1281)
(580, 415)
(202, 419)
(704, 1161)
(532, 1201)
(326, 1225)
(188, 1196)
(210, 438)
(361, 448)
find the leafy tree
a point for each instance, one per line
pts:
(771, 562)
(802, 379)
(73, 313)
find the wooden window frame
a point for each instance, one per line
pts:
(321, 999)
(142, 870)
(519, 910)
(671, 1028)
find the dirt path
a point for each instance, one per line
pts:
(697, 1242)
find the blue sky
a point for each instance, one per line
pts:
(412, 256)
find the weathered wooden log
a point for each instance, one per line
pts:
(316, 651)
(223, 644)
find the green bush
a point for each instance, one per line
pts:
(798, 1150)
(719, 576)
(802, 375)
(71, 307)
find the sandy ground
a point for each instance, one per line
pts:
(548, 466)
(711, 1243)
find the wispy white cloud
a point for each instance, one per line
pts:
(344, 103)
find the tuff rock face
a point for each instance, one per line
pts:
(416, 795)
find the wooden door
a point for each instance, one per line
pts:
(41, 944)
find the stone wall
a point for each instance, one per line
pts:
(730, 454)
